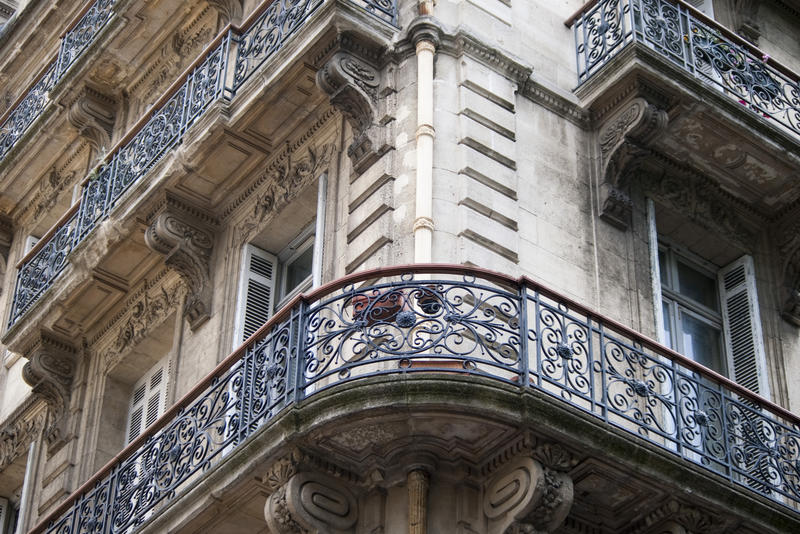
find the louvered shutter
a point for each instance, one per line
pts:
(256, 292)
(744, 341)
(5, 511)
(149, 399)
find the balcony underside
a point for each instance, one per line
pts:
(370, 433)
(705, 131)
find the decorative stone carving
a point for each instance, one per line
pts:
(229, 10)
(145, 315)
(311, 503)
(624, 141)
(49, 372)
(352, 85)
(186, 243)
(6, 235)
(745, 19)
(526, 497)
(789, 248)
(674, 517)
(285, 179)
(15, 437)
(93, 114)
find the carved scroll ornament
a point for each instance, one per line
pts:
(186, 246)
(352, 85)
(49, 372)
(311, 503)
(624, 140)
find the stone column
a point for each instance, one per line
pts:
(418, 482)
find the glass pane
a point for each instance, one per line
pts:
(665, 311)
(697, 286)
(662, 268)
(299, 269)
(702, 342)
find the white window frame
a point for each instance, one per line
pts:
(301, 244)
(162, 390)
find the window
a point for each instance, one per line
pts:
(270, 281)
(710, 315)
(148, 400)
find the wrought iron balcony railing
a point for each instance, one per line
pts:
(218, 73)
(19, 117)
(694, 43)
(452, 319)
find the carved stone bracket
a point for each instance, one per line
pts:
(624, 140)
(527, 497)
(22, 428)
(311, 503)
(186, 243)
(93, 113)
(352, 85)
(49, 372)
(789, 248)
(6, 235)
(229, 10)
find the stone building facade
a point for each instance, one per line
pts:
(400, 266)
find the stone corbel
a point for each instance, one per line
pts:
(6, 235)
(789, 248)
(529, 496)
(49, 372)
(186, 243)
(311, 503)
(352, 85)
(93, 114)
(624, 140)
(674, 517)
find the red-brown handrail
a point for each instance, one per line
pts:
(521, 284)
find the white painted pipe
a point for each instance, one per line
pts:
(423, 222)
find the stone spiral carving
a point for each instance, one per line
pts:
(311, 503)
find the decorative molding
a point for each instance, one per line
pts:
(555, 102)
(49, 372)
(311, 503)
(352, 86)
(789, 250)
(228, 10)
(145, 315)
(285, 178)
(674, 517)
(93, 114)
(187, 244)
(22, 427)
(623, 141)
(525, 497)
(6, 236)
(745, 19)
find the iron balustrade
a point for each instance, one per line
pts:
(74, 43)
(424, 318)
(218, 74)
(693, 43)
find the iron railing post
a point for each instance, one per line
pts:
(522, 291)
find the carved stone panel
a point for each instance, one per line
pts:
(93, 114)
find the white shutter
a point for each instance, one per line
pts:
(256, 292)
(744, 341)
(148, 400)
(5, 511)
(705, 6)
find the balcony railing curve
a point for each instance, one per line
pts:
(83, 32)
(695, 44)
(238, 51)
(424, 318)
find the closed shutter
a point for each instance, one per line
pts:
(744, 341)
(149, 399)
(256, 292)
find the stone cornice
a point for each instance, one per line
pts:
(556, 102)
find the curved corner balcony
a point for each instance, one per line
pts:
(406, 320)
(694, 43)
(221, 70)
(31, 104)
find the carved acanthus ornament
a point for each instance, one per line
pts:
(674, 517)
(186, 242)
(23, 428)
(49, 371)
(93, 114)
(285, 179)
(352, 85)
(530, 494)
(309, 501)
(624, 140)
